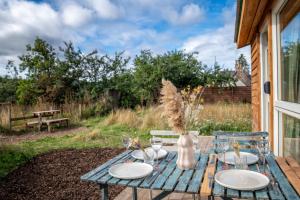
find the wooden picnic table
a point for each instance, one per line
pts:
(194, 181)
(44, 113)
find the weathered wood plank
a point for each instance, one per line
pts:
(161, 179)
(172, 180)
(290, 173)
(104, 166)
(292, 162)
(145, 184)
(206, 187)
(198, 175)
(285, 186)
(184, 180)
(275, 193)
(218, 190)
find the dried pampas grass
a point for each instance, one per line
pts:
(173, 107)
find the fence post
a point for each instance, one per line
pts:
(9, 116)
(80, 111)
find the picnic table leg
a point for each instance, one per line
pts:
(103, 191)
(40, 123)
(134, 193)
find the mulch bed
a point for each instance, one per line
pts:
(56, 175)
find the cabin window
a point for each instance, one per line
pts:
(290, 61)
(287, 102)
(291, 133)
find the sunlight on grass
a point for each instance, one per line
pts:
(108, 131)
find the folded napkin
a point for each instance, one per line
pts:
(236, 148)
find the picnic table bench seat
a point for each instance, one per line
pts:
(32, 124)
(59, 121)
(170, 137)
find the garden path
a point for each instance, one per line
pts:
(13, 139)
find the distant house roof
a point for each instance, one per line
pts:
(243, 79)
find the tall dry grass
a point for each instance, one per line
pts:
(222, 112)
(123, 116)
(151, 118)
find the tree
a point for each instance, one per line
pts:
(40, 63)
(217, 77)
(8, 88)
(177, 66)
(242, 60)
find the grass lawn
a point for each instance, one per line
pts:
(107, 131)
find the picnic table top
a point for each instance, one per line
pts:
(195, 181)
(45, 112)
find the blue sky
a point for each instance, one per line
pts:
(122, 25)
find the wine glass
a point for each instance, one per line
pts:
(126, 141)
(263, 150)
(156, 144)
(224, 146)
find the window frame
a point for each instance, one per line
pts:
(280, 107)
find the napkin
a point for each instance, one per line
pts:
(236, 148)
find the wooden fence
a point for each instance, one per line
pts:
(241, 94)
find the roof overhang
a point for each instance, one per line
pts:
(248, 17)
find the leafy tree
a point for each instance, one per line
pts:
(27, 92)
(8, 88)
(242, 60)
(216, 77)
(181, 68)
(40, 65)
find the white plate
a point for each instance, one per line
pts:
(239, 179)
(229, 157)
(130, 170)
(138, 154)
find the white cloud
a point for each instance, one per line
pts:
(190, 14)
(217, 44)
(105, 9)
(75, 15)
(21, 22)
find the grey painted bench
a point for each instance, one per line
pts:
(169, 138)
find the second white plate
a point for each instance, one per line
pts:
(138, 154)
(241, 179)
(130, 170)
(229, 157)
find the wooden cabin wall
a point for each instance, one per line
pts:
(256, 83)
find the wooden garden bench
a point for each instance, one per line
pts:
(32, 124)
(59, 121)
(170, 138)
(247, 140)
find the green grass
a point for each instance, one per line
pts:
(108, 131)
(98, 135)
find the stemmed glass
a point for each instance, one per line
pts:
(224, 146)
(126, 141)
(263, 150)
(156, 144)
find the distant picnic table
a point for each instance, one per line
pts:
(47, 113)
